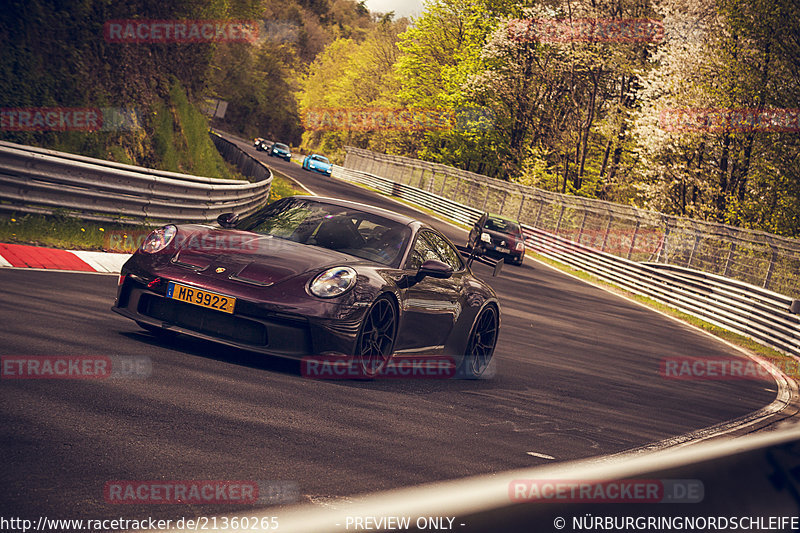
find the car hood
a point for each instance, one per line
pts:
(250, 257)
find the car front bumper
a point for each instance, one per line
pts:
(255, 326)
(499, 252)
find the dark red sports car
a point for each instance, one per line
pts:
(309, 276)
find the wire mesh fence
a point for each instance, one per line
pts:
(755, 257)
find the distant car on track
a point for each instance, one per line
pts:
(280, 150)
(317, 163)
(262, 145)
(498, 236)
(306, 276)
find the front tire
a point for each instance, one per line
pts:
(375, 344)
(481, 343)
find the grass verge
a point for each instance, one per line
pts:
(58, 231)
(283, 186)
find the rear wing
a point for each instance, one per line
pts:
(470, 254)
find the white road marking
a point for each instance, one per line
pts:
(102, 261)
(540, 455)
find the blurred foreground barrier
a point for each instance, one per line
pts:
(749, 310)
(751, 483)
(36, 180)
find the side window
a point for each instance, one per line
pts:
(423, 251)
(445, 250)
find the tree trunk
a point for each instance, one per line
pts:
(722, 193)
(589, 121)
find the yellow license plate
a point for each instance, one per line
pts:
(211, 300)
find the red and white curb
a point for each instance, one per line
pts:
(23, 256)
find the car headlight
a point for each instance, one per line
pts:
(158, 239)
(485, 237)
(333, 282)
(520, 246)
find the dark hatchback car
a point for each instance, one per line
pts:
(280, 150)
(315, 276)
(499, 237)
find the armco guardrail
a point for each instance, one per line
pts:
(751, 311)
(247, 164)
(37, 180)
(763, 315)
(755, 257)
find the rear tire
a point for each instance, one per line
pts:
(481, 343)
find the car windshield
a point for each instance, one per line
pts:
(502, 225)
(320, 158)
(281, 146)
(344, 229)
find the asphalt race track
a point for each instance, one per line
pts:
(576, 375)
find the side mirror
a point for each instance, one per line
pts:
(228, 220)
(435, 269)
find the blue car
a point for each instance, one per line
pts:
(280, 150)
(318, 163)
